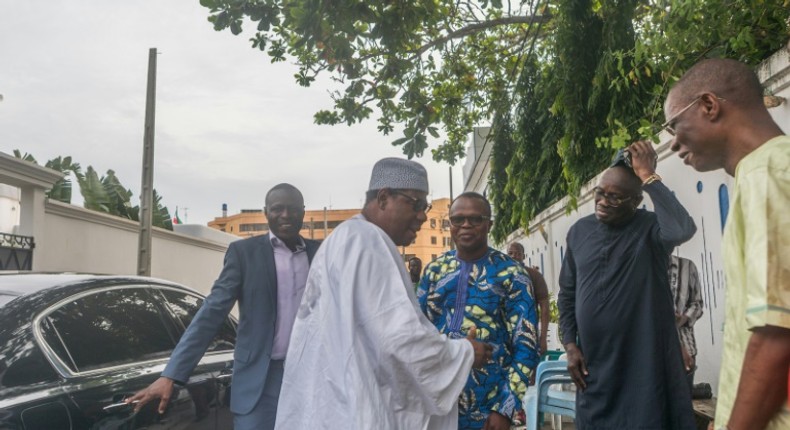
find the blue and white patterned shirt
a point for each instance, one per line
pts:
(497, 297)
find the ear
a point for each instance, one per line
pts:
(711, 106)
(382, 197)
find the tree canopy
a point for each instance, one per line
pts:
(562, 82)
(418, 65)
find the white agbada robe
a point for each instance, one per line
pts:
(362, 356)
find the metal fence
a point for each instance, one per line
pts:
(16, 252)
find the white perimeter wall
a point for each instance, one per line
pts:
(9, 208)
(82, 240)
(705, 196)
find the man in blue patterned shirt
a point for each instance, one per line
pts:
(476, 285)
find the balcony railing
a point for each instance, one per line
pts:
(16, 252)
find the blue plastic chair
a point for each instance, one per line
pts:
(540, 398)
(551, 355)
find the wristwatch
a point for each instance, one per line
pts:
(650, 179)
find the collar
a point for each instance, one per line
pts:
(483, 257)
(277, 242)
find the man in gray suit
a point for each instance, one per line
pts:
(266, 275)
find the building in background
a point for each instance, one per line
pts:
(477, 165)
(432, 239)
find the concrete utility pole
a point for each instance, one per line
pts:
(326, 225)
(147, 189)
(451, 183)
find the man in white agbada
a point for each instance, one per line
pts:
(362, 356)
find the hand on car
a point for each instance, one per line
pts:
(160, 389)
(496, 421)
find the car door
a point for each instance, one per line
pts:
(218, 359)
(114, 342)
(30, 389)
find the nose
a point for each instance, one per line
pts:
(422, 216)
(602, 201)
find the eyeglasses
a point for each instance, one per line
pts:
(474, 220)
(669, 127)
(417, 204)
(614, 200)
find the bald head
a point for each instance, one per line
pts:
(726, 78)
(284, 188)
(516, 251)
(624, 178)
(617, 196)
(716, 115)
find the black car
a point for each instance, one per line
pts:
(73, 347)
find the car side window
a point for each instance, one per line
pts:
(23, 364)
(108, 328)
(185, 307)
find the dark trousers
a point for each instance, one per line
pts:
(263, 416)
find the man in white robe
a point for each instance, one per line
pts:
(362, 356)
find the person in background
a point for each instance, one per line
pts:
(516, 251)
(687, 297)
(415, 271)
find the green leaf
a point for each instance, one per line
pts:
(235, 28)
(560, 92)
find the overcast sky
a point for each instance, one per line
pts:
(229, 124)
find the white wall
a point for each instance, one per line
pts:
(703, 195)
(9, 208)
(82, 240)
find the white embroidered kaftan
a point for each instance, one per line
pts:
(361, 355)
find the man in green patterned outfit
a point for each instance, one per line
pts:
(476, 285)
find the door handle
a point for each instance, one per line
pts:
(225, 377)
(115, 407)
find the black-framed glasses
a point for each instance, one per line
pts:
(668, 124)
(614, 200)
(473, 220)
(417, 204)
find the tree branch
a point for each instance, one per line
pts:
(474, 28)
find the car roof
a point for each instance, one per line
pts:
(24, 283)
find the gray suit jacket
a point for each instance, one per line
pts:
(249, 277)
